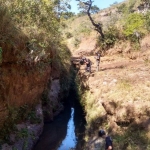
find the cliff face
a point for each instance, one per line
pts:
(31, 61)
(22, 77)
(22, 84)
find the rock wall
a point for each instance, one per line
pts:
(23, 78)
(21, 84)
(53, 105)
(33, 131)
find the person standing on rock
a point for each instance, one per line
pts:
(97, 57)
(108, 140)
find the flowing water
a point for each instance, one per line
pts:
(66, 132)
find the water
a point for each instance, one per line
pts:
(70, 139)
(66, 132)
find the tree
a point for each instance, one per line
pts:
(86, 6)
(82, 7)
(115, 3)
(94, 9)
(67, 15)
(61, 7)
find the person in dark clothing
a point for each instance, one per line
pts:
(108, 140)
(83, 61)
(88, 65)
(97, 57)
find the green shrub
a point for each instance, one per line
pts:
(15, 116)
(84, 29)
(76, 42)
(134, 23)
(69, 35)
(111, 36)
(122, 8)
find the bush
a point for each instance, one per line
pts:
(84, 28)
(111, 36)
(134, 23)
(76, 42)
(122, 8)
(68, 35)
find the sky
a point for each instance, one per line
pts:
(99, 3)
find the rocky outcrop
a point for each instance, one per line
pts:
(27, 134)
(21, 84)
(53, 105)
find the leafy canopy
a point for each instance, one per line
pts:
(134, 22)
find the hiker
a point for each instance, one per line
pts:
(108, 140)
(83, 61)
(97, 57)
(88, 65)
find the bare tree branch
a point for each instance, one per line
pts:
(97, 26)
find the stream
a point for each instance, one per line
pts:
(66, 131)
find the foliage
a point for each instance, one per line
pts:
(80, 14)
(61, 6)
(94, 9)
(76, 42)
(40, 21)
(17, 115)
(134, 22)
(145, 1)
(64, 55)
(69, 35)
(122, 8)
(84, 28)
(131, 5)
(83, 8)
(134, 141)
(114, 3)
(67, 15)
(111, 36)
(23, 133)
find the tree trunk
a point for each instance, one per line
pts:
(98, 27)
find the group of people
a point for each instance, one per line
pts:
(88, 62)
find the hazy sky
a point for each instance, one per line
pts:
(99, 3)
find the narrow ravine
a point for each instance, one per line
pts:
(66, 131)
